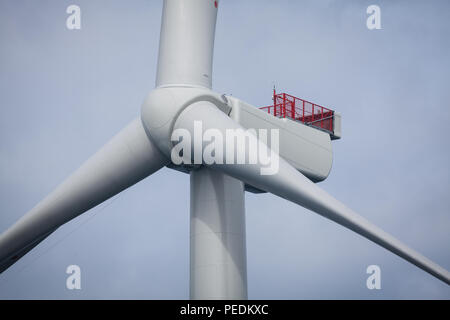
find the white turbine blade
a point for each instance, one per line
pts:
(126, 159)
(291, 185)
(186, 43)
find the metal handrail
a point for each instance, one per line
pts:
(289, 106)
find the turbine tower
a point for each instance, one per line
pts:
(182, 98)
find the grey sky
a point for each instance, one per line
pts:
(63, 94)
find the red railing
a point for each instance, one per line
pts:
(287, 106)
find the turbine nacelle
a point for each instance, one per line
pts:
(305, 148)
(163, 106)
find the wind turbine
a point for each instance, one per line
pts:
(182, 97)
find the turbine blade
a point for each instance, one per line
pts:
(291, 185)
(126, 159)
(186, 43)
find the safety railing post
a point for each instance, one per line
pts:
(293, 109)
(274, 102)
(303, 111)
(321, 117)
(331, 122)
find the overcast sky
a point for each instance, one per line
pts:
(63, 94)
